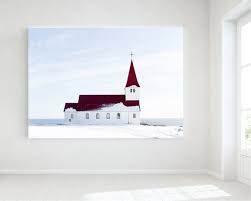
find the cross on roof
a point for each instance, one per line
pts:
(131, 55)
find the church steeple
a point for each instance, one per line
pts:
(132, 87)
(132, 78)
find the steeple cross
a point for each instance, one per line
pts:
(131, 55)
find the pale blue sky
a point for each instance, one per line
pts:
(66, 62)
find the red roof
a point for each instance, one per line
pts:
(100, 99)
(94, 102)
(132, 78)
(70, 105)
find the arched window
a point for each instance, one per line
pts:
(118, 115)
(97, 116)
(108, 116)
(131, 90)
(134, 115)
(87, 115)
(134, 90)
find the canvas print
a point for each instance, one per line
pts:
(105, 82)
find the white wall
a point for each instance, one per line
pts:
(134, 117)
(132, 95)
(125, 118)
(17, 152)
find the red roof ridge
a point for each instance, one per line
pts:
(93, 102)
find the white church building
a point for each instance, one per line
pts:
(107, 109)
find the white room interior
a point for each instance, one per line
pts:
(209, 156)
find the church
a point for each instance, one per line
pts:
(107, 109)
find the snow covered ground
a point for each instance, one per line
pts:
(149, 129)
(99, 131)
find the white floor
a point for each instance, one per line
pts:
(120, 188)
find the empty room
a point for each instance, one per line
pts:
(137, 100)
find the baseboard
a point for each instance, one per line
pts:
(119, 172)
(245, 181)
(93, 172)
(218, 176)
(215, 174)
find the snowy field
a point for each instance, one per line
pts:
(149, 129)
(125, 131)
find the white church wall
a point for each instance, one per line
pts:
(70, 116)
(80, 118)
(95, 117)
(134, 117)
(132, 93)
(102, 118)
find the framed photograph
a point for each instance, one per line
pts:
(105, 82)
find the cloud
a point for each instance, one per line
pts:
(86, 51)
(72, 72)
(54, 41)
(104, 71)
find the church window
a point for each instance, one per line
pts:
(87, 115)
(118, 115)
(134, 115)
(97, 116)
(108, 116)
